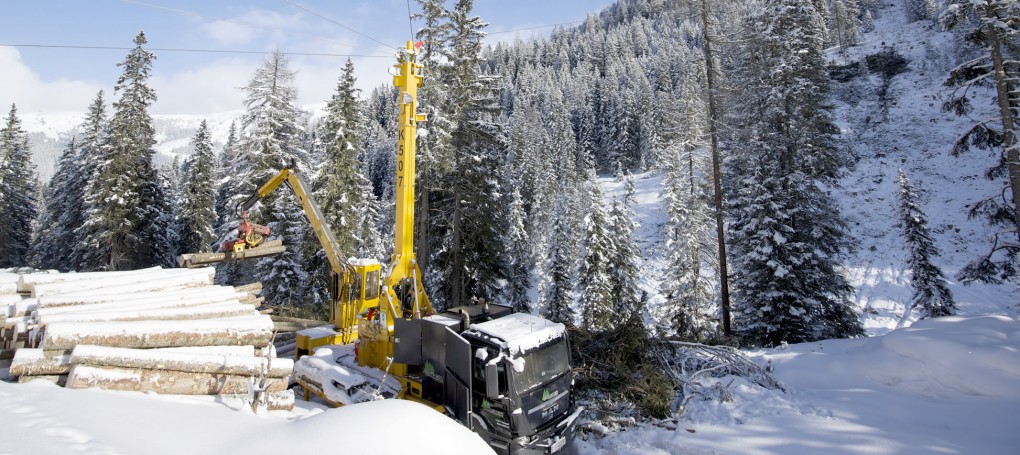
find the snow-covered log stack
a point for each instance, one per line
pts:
(168, 331)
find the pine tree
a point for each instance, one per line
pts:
(472, 262)
(787, 234)
(271, 137)
(625, 263)
(435, 152)
(53, 238)
(338, 186)
(931, 294)
(87, 251)
(596, 283)
(557, 296)
(995, 27)
(515, 294)
(198, 208)
(18, 193)
(232, 190)
(688, 292)
(127, 206)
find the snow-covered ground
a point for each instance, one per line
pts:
(949, 386)
(41, 418)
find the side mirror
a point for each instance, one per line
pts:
(491, 381)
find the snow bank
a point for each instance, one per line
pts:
(948, 385)
(939, 357)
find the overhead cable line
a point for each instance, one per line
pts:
(236, 22)
(335, 22)
(207, 51)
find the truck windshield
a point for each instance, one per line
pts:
(541, 365)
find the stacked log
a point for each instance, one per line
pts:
(165, 331)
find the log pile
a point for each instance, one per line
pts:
(166, 331)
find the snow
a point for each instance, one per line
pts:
(949, 385)
(520, 332)
(335, 369)
(41, 418)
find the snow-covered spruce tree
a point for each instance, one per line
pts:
(689, 293)
(786, 232)
(126, 203)
(931, 294)
(87, 251)
(50, 249)
(18, 193)
(557, 298)
(472, 261)
(625, 263)
(596, 281)
(846, 23)
(231, 191)
(918, 10)
(515, 294)
(435, 152)
(271, 138)
(198, 207)
(338, 186)
(994, 27)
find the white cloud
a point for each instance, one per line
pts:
(215, 87)
(22, 86)
(209, 88)
(226, 32)
(252, 25)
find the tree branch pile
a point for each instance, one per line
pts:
(689, 366)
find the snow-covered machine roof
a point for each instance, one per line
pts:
(520, 332)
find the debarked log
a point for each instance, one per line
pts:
(157, 280)
(192, 260)
(105, 356)
(256, 330)
(209, 311)
(36, 362)
(164, 381)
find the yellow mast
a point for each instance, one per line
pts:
(403, 266)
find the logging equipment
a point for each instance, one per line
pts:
(249, 235)
(505, 376)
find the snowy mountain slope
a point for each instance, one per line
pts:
(49, 133)
(896, 122)
(949, 385)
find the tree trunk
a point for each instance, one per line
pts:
(720, 226)
(245, 330)
(36, 362)
(162, 280)
(149, 359)
(194, 260)
(164, 382)
(1009, 139)
(210, 311)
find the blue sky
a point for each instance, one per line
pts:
(59, 79)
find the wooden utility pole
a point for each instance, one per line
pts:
(713, 119)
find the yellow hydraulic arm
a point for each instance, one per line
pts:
(301, 190)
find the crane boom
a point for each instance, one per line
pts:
(302, 191)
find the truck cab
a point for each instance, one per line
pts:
(504, 375)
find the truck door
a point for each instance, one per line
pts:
(457, 398)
